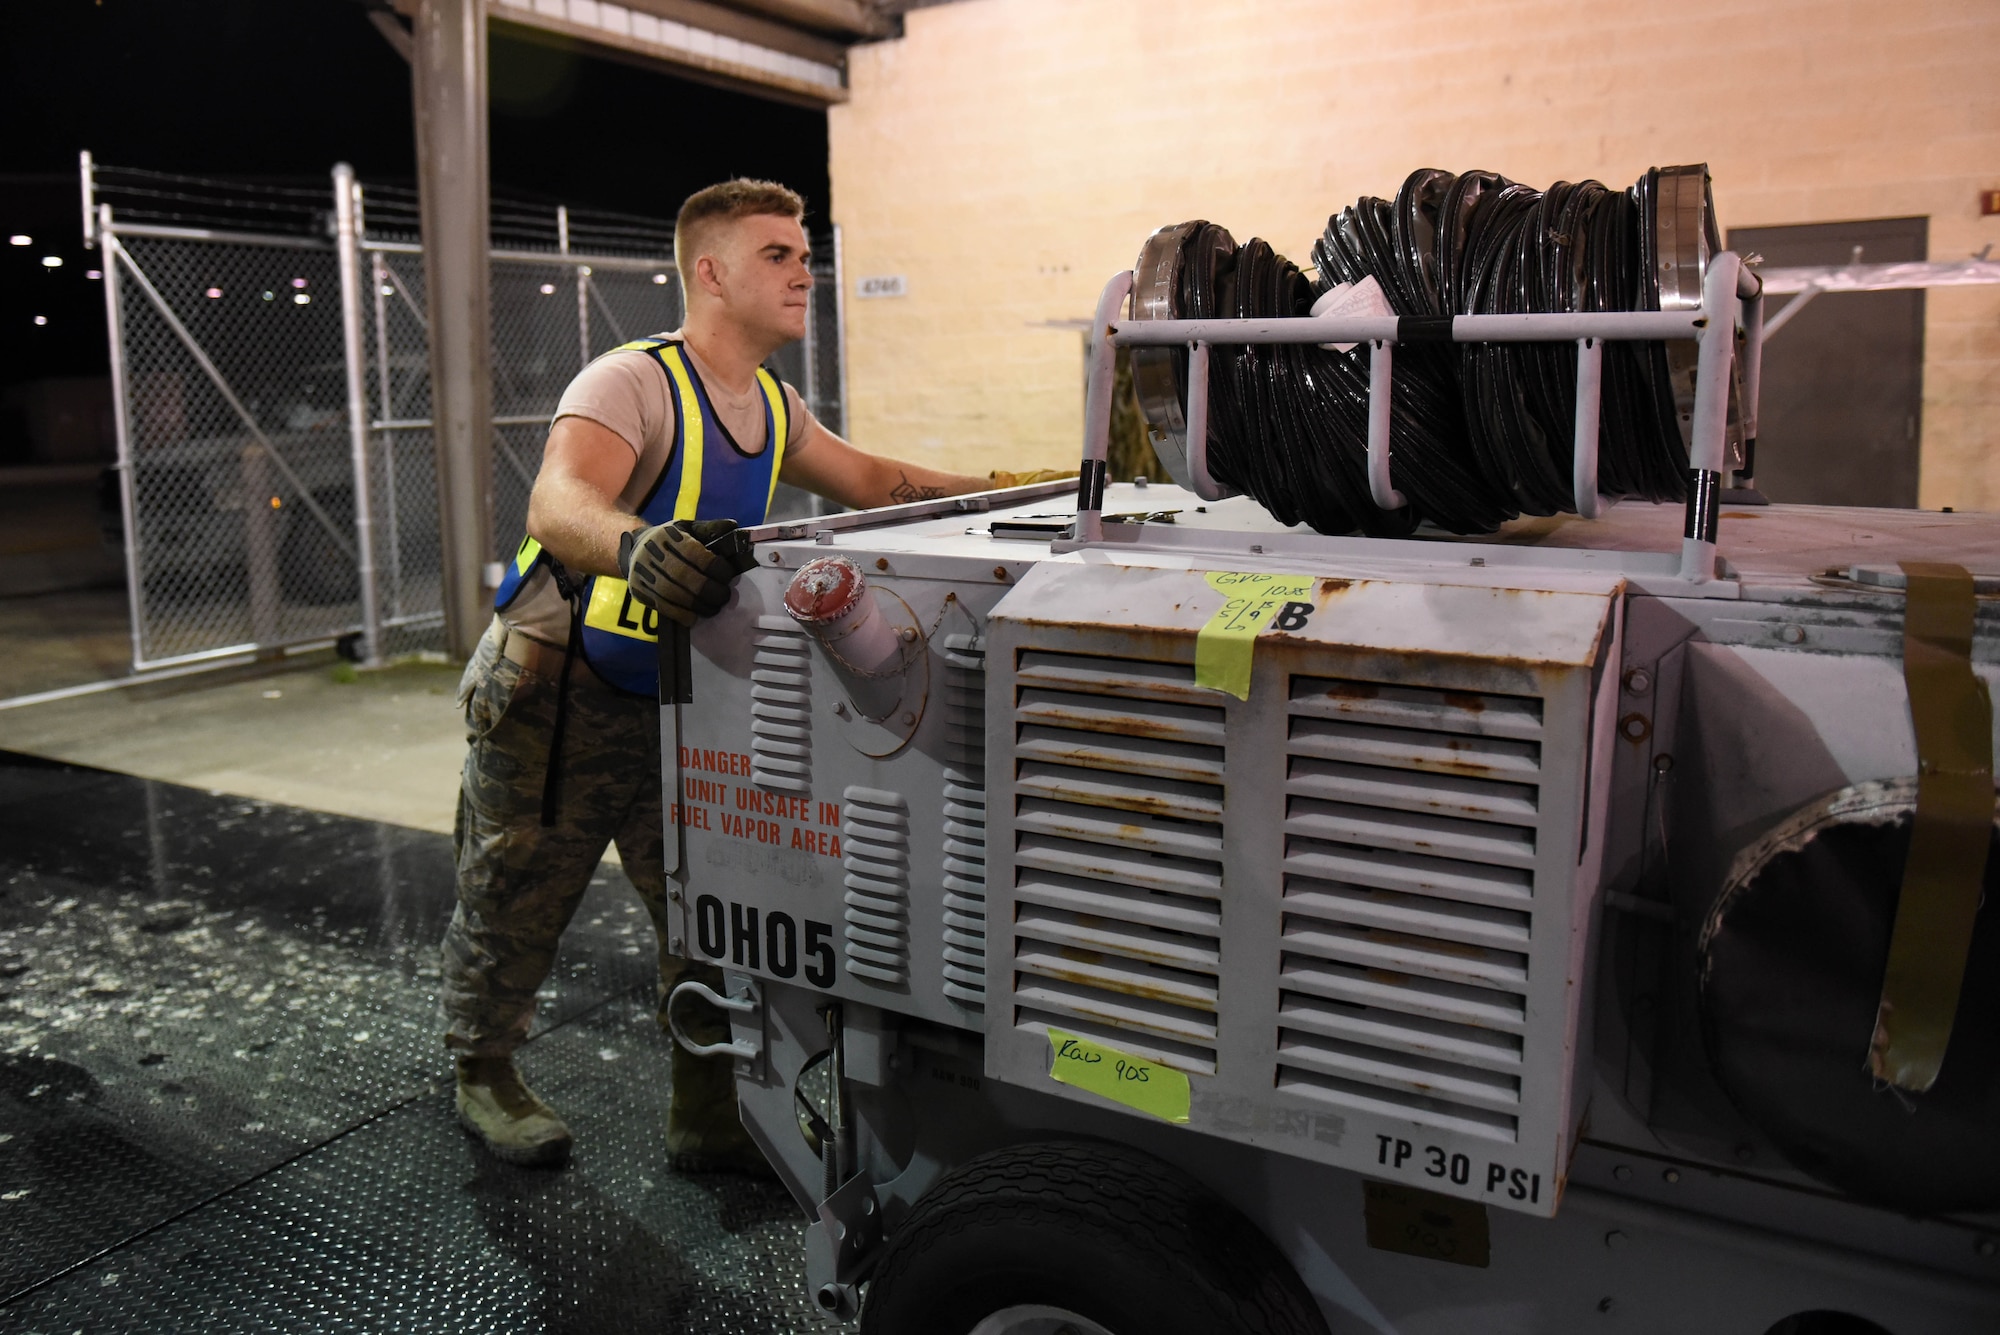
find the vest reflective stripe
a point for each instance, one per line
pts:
(526, 558)
(780, 427)
(688, 430)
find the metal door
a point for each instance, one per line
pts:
(1840, 418)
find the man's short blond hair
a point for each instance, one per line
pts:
(725, 203)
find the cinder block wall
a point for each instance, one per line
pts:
(1006, 156)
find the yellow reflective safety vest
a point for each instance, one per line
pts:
(707, 476)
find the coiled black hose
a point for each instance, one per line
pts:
(1479, 432)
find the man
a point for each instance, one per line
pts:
(656, 449)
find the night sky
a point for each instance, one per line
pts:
(283, 89)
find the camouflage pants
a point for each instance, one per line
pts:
(519, 882)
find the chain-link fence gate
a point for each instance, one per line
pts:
(257, 514)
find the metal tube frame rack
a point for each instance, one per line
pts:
(1723, 326)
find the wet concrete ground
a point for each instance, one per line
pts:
(224, 1105)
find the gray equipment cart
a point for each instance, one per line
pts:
(1138, 916)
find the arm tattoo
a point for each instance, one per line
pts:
(906, 491)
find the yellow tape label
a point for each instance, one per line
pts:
(1118, 1076)
(615, 611)
(1254, 603)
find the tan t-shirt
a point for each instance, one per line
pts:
(628, 394)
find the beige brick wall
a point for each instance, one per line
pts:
(1006, 156)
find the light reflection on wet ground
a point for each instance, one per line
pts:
(223, 1100)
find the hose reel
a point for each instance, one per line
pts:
(1481, 432)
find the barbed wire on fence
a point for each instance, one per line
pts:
(391, 211)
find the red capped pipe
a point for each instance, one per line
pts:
(829, 598)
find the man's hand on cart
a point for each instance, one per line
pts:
(683, 569)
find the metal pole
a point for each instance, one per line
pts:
(582, 288)
(346, 195)
(385, 398)
(839, 324)
(1381, 367)
(1589, 401)
(1711, 418)
(449, 82)
(1097, 409)
(260, 544)
(121, 417)
(811, 387)
(88, 170)
(1200, 480)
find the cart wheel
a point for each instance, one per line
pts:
(1081, 1239)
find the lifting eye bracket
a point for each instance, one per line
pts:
(745, 999)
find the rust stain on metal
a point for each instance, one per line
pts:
(1145, 805)
(1127, 950)
(1131, 987)
(1470, 702)
(1429, 944)
(1122, 725)
(1087, 758)
(1353, 690)
(1329, 589)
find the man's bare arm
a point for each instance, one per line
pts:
(836, 470)
(573, 510)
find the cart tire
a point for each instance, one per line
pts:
(1100, 1231)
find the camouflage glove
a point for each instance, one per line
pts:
(1002, 478)
(673, 571)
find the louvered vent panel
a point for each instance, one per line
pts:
(965, 820)
(875, 851)
(781, 707)
(1118, 854)
(1410, 839)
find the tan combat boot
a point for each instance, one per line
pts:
(704, 1132)
(515, 1126)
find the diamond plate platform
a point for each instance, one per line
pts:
(224, 1103)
